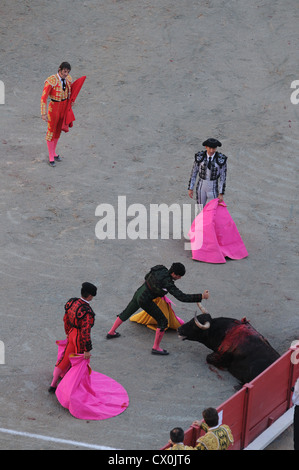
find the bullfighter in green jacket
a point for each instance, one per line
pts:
(158, 282)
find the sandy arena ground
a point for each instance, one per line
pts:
(162, 76)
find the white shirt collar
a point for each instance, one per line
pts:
(61, 79)
(214, 427)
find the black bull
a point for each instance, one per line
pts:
(237, 346)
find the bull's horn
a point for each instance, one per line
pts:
(201, 308)
(200, 325)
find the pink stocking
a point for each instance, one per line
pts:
(158, 338)
(116, 324)
(55, 143)
(51, 150)
(56, 374)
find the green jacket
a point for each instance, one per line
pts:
(159, 282)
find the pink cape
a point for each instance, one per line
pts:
(214, 235)
(88, 394)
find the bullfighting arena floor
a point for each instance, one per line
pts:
(161, 77)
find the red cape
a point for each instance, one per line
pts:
(69, 117)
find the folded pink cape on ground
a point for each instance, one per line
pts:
(88, 394)
(214, 235)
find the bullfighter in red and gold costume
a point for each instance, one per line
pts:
(78, 321)
(58, 89)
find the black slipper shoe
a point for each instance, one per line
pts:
(117, 335)
(160, 353)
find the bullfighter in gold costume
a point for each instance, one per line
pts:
(58, 88)
(217, 437)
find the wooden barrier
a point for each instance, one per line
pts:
(251, 410)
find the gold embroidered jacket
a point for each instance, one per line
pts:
(54, 91)
(180, 446)
(218, 438)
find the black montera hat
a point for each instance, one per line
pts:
(213, 143)
(89, 288)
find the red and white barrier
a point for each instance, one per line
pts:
(254, 408)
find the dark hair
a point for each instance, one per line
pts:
(210, 415)
(65, 65)
(177, 435)
(88, 289)
(178, 269)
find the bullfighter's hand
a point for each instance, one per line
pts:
(190, 192)
(196, 423)
(44, 117)
(206, 294)
(87, 355)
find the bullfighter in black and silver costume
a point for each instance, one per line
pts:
(211, 168)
